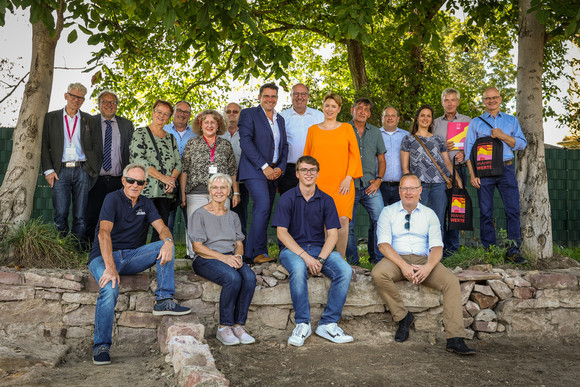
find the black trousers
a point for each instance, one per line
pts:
(103, 186)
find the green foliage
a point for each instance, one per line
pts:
(571, 252)
(468, 256)
(38, 244)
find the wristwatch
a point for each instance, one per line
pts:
(321, 260)
(168, 239)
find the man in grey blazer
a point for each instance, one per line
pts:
(69, 159)
(113, 152)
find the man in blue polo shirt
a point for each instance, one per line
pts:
(301, 216)
(125, 217)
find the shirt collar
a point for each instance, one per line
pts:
(298, 193)
(274, 115)
(103, 119)
(66, 114)
(398, 130)
(308, 111)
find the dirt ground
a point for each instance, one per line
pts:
(375, 359)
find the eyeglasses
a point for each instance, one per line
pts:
(76, 97)
(305, 171)
(109, 103)
(232, 111)
(408, 219)
(186, 112)
(491, 98)
(300, 94)
(132, 181)
(218, 187)
(409, 189)
(162, 114)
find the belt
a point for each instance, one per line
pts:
(508, 162)
(391, 183)
(72, 164)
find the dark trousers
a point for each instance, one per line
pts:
(163, 206)
(242, 208)
(289, 179)
(103, 186)
(507, 186)
(262, 192)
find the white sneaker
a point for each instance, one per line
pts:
(226, 336)
(333, 333)
(242, 335)
(299, 334)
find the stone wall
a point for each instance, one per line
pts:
(60, 305)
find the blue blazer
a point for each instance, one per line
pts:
(257, 143)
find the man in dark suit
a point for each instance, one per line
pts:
(113, 151)
(70, 159)
(264, 154)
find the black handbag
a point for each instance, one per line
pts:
(487, 156)
(459, 207)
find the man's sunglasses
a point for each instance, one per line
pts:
(132, 181)
(408, 219)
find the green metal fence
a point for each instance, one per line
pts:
(563, 183)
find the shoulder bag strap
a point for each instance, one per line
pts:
(447, 181)
(487, 123)
(156, 150)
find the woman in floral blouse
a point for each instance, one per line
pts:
(153, 147)
(204, 156)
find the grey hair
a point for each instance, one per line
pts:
(76, 86)
(229, 103)
(299, 84)
(220, 176)
(133, 166)
(450, 90)
(390, 107)
(104, 92)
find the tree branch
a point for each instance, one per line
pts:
(14, 88)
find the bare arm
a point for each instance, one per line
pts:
(423, 271)
(166, 252)
(375, 184)
(405, 162)
(234, 260)
(391, 254)
(313, 265)
(106, 245)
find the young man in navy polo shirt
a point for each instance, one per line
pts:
(125, 217)
(301, 216)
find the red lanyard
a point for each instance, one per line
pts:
(212, 149)
(70, 135)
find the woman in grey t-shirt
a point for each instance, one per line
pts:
(216, 236)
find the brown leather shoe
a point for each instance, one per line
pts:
(263, 259)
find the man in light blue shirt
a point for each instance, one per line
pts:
(506, 127)
(409, 237)
(392, 137)
(298, 119)
(182, 132)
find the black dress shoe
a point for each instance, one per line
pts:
(457, 345)
(516, 258)
(404, 325)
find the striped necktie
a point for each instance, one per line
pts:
(107, 146)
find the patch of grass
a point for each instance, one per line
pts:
(468, 256)
(40, 245)
(273, 250)
(572, 252)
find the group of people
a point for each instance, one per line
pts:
(122, 180)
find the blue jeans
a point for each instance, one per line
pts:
(72, 182)
(238, 286)
(507, 186)
(127, 262)
(390, 194)
(335, 268)
(374, 205)
(451, 237)
(434, 196)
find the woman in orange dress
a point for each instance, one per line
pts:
(335, 147)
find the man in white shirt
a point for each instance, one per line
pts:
(298, 119)
(409, 236)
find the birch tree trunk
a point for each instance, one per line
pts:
(17, 190)
(536, 217)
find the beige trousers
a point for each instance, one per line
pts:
(386, 273)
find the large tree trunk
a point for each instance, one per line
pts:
(536, 218)
(356, 64)
(17, 190)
